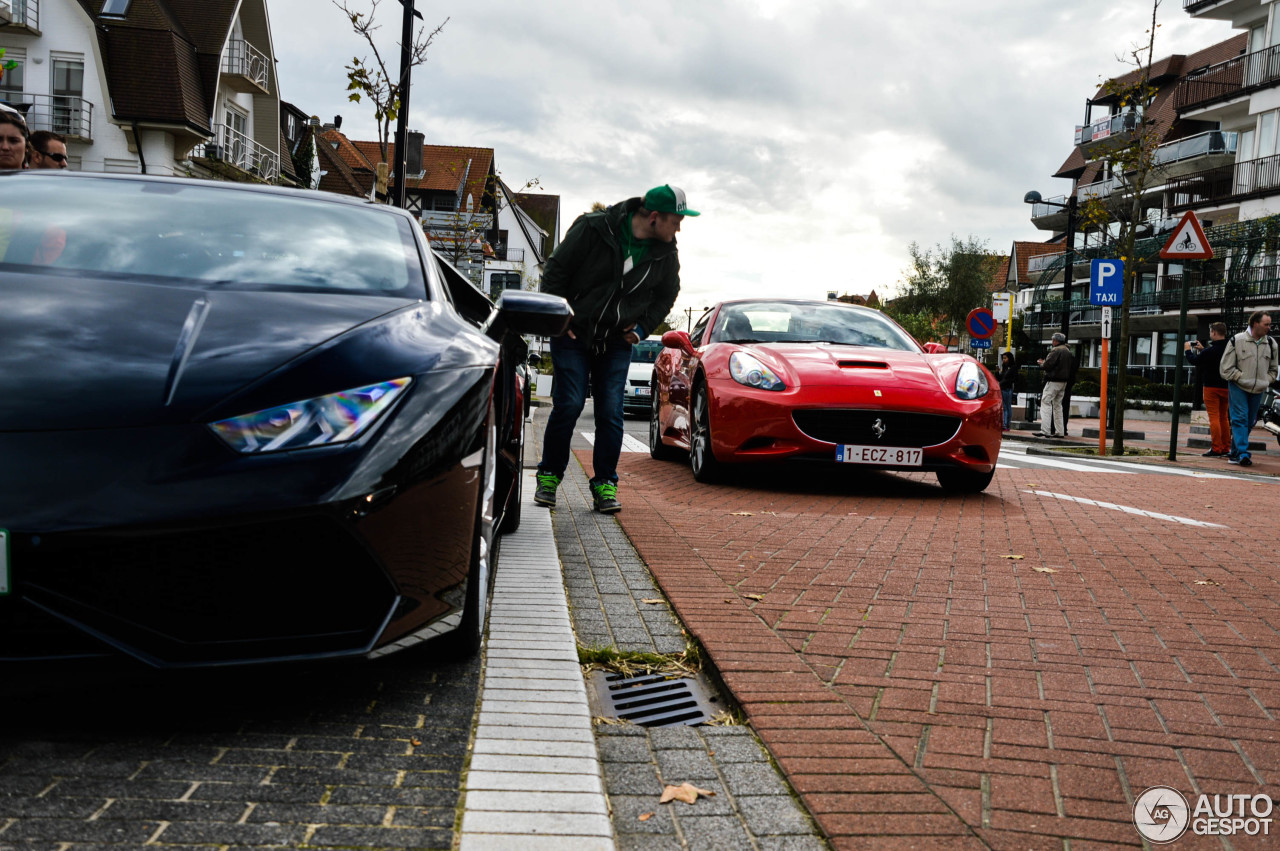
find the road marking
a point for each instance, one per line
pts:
(629, 443)
(1042, 461)
(1155, 515)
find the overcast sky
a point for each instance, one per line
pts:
(818, 138)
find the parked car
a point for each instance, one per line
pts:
(644, 355)
(246, 424)
(773, 380)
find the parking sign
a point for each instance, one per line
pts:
(1106, 282)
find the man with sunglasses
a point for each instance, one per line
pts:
(48, 150)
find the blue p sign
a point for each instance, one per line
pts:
(1106, 282)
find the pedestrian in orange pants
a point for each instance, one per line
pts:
(1206, 359)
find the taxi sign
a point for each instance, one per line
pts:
(1187, 242)
(1106, 282)
(981, 323)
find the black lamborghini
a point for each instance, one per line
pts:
(246, 424)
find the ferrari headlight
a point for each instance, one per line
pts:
(745, 369)
(971, 381)
(322, 421)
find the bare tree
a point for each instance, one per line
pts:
(373, 80)
(1133, 164)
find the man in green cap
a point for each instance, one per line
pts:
(619, 270)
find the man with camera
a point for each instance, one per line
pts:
(1057, 372)
(1213, 387)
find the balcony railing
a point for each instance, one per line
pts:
(1043, 261)
(23, 13)
(1105, 128)
(1104, 188)
(1051, 208)
(1229, 79)
(66, 114)
(1238, 182)
(231, 147)
(1202, 144)
(245, 60)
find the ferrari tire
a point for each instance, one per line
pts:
(465, 641)
(702, 457)
(964, 481)
(657, 449)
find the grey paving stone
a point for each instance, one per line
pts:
(627, 810)
(664, 738)
(629, 779)
(713, 832)
(773, 815)
(752, 779)
(736, 749)
(615, 749)
(401, 837)
(647, 842)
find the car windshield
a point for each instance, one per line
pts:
(646, 351)
(174, 232)
(797, 322)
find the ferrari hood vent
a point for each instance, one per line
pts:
(862, 364)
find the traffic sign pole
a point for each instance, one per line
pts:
(1102, 402)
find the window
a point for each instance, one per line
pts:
(68, 86)
(115, 8)
(1140, 350)
(503, 281)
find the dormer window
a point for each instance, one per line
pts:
(115, 8)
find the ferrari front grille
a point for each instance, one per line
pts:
(884, 428)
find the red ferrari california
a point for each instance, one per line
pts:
(790, 380)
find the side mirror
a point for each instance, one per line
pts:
(537, 314)
(678, 340)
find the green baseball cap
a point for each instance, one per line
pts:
(667, 199)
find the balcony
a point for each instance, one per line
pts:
(1050, 214)
(1219, 10)
(455, 220)
(20, 15)
(237, 157)
(66, 114)
(1107, 134)
(244, 68)
(1230, 79)
(1227, 184)
(1195, 153)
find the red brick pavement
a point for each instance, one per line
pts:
(922, 689)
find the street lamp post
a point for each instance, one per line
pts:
(1033, 197)
(399, 194)
(688, 312)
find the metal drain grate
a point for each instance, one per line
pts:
(653, 700)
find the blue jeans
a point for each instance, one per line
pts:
(1242, 408)
(578, 370)
(1007, 396)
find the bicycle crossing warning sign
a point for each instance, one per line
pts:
(1187, 242)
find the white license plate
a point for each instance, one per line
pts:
(4, 562)
(641, 391)
(898, 455)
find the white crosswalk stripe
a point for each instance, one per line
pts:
(629, 443)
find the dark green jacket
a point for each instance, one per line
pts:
(587, 271)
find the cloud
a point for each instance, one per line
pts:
(818, 138)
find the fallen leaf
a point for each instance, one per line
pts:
(1206, 582)
(415, 741)
(645, 816)
(1044, 570)
(686, 792)
(740, 514)
(1016, 558)
(754, 596)
(654, 600)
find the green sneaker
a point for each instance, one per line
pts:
(546, 492)
(605, 496)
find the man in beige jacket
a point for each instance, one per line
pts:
(1249, 365)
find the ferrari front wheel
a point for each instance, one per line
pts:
(958, 480)
(701, 456)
